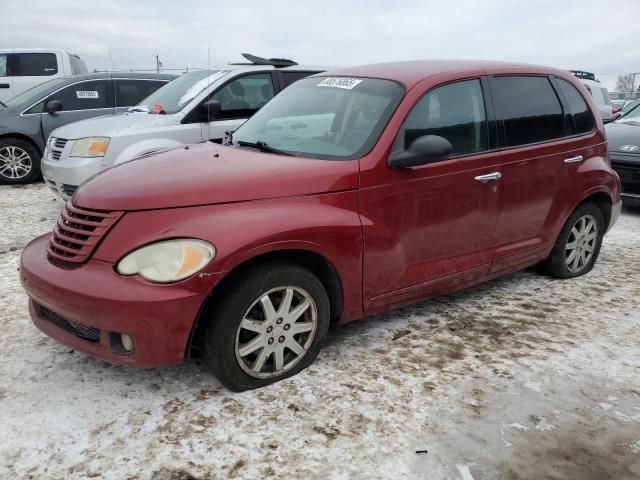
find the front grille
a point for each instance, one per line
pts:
(629, 176)
(56, 146)
(78, 232)
(82, 331)
(68, 190)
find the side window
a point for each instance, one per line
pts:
(578, 109)
(35, 64)
(528, 108)
(132, 92)
(244, 96)
(455, 112)
(291, 77)
(3, 65)
(82, 96)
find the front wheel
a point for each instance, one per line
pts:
(19, 161)
(269, 326)
(578, 245)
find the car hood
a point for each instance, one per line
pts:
(621, 134)
(115, 125)
(207, 174)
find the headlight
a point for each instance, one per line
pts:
(90, 147)
(168, 261)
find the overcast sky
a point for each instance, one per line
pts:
(597, 36)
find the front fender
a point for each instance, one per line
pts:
(326, 224)
(146, 147)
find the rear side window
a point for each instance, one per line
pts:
(3, 65)
(132, 92)
(456, 112)
(35, 64)
(578, 111)
(82, 96)
(528, 109)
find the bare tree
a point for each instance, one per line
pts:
(625, 83)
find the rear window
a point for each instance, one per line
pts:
(132, 92)
(578, 111)
(35, 64)
(528, 109)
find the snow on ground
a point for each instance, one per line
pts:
(523, 377)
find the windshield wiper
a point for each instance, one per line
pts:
(138, 109)
(263, 147)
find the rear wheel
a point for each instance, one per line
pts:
(19, 161)
(578, 245)
(269, 326)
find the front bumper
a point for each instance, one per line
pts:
(627, 167)
(158, 317)
(63, 176)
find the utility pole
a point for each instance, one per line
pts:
(158, 63)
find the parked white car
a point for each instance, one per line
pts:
(24, 68)
(199, 106)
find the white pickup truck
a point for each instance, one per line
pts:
(22, 68)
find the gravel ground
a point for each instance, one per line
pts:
(523, 377)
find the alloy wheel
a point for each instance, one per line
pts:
(14, 162)
(581, 243)
(276, 332)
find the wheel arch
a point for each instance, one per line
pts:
(23, 137)
(312, 261)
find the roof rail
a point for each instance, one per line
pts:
(276, 62)
(583, 75)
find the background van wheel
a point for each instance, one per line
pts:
(578, 245)
(19, 161)
(269, 325)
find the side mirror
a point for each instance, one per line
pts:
(54, 106)
(210, 110)
(423, 150)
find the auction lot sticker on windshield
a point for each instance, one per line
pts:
(340, 82)
(86, 94)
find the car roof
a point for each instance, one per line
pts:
(107, 75)
(411, 72)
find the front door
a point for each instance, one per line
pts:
(79, 101)
(430, 228)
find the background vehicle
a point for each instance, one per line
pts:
(347, 195)
(27, 119)
(23, 68)
(599, 93)
(623, 136)
(199, 106)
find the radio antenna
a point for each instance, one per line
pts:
(113, 68)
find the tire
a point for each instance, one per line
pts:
(229, 349)
(19, 162)
(561, 263)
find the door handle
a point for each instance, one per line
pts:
(488, 177)
(5, 85)
(576, 159)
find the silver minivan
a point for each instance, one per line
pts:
(199, 106)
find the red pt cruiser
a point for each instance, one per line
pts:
(351, 193)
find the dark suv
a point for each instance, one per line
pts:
(27, 119)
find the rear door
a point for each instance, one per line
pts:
(131, 91)
(31, 69)
(87, 99)
(532, 131)
(6, 80)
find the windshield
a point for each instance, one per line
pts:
(331, 118)
(36, 93)
(177, 93)
(632, 116)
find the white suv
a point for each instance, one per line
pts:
(196, 107)
(599, 93)
(23, 68)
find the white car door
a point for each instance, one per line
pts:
(239, 99)
(6, 82)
